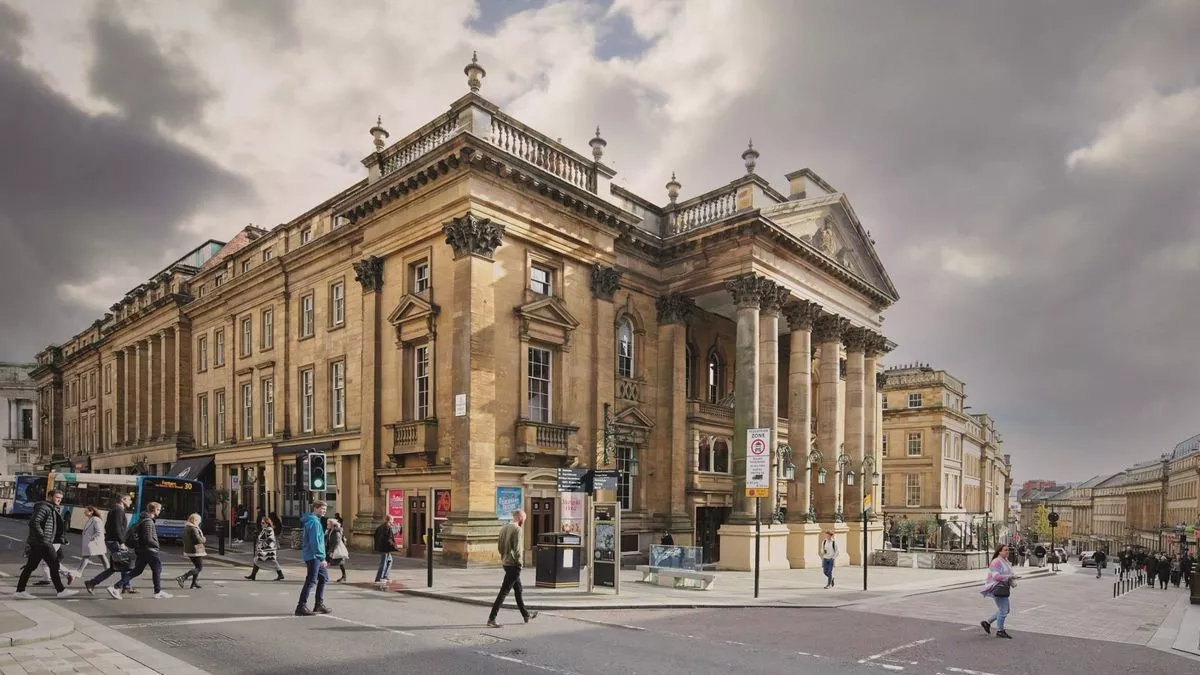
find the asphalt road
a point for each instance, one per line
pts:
(233, 625)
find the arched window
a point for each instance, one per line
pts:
(625, 349)
(716, 372)
(689, 371)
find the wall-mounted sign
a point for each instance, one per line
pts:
(508, 499)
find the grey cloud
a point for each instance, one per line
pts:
(132, 70)
(275, 19)
(82, 196)
(13, 26)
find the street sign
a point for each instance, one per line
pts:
(758, 459)
(605, 479)
(758, 492)
(571, 480)
(867, 503)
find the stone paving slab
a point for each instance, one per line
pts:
(40, 624)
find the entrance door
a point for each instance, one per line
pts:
(541, 518)
(709, 520)
(416, 526)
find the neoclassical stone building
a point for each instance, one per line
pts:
(486, 306)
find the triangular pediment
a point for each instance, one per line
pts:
(415, 319)
(633, 417)
(548, 310)
(410, 307)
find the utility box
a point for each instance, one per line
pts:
(558, 560)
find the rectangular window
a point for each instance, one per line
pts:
(539, 384)
(268, 328)
(218, 280)
(266, 254)
(625, 476)
(202, 418)
(337, 394)
(883, 444)
(914, 444)
(305, 235)
(202, 353)
(914, 400)
(27, 424)
(912, 489)
(268, 404)
(92, 389)
(337, 303)
(219, 403)
(307, 317)
(108, 428)
(541, 280)
(420, 277)
(247, 410)
(247, 335)
(200, 291)
(306, 400)
(883, 402)
(108, 378)
(245, 266)
(421, 382)
(219, 347)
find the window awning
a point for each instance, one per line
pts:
(190, 468)
(300, 448)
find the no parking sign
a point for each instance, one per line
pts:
(758, 462)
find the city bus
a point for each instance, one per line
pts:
(179, 497)
(18, 494)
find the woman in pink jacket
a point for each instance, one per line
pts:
(1000, 582)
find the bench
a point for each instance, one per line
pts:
(677, 578)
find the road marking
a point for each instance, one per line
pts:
(528, 664)
(368, 625)
(893, 650)
(600, 623)
(967, 671)
(1023, 611)
(969, 628)
(196, 622)
(815, 656)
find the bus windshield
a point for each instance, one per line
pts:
(179, 498)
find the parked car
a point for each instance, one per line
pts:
(1087, 558)
(1060, 555)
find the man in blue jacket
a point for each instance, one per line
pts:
(313, 552)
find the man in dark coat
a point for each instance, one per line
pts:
(46, 526)
(1100, 557)
(144, 539)
(116, 526)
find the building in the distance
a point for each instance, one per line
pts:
(941, 460)
(484, 307)
(18, 399)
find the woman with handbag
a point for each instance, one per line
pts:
(193, 550)
(266, 549)
(94, 549)
(1000, 582)
(335, 544)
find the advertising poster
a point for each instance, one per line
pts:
(605, 552)
(441, 511)
(571, 516)
(395, 506)
(508, 499)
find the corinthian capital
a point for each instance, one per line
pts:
(856, 338)
(877, 344)
(829, 328)
(772, 297)
(369, 273)
(472, 235)
(745, 290)
(674, 308)
(801, 314)
(605, 281)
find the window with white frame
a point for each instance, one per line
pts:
(245, 266)
(337, 303)
(716, 371)
(541, 280)
(714, 456)
(883, 402)
(307, 316)
(305, 235)
(266, 254)
(202, 418)
(539, 384)
(912, 489)
(219, 347)
(219, 404)
(625, 476)
(947, 447)
(268, 328)
(337, 394)
(201, 353)
(247, 410)
(420, 276)
(247, 335)
(268, 405)
(689, 371)
(625, 349)
(108, 378)
(914, 400)
(306, 400)
(421, 382)
(914, 444)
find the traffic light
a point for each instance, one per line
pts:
(316, 472)
(1053, 518)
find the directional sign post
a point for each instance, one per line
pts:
(758, 484)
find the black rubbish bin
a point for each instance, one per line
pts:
(558, 555)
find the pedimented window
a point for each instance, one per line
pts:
(546, 320)
(415, 320)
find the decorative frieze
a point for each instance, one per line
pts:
(801, 314)
(674, 308)
(829, 328)
(605, 281)
(746, 290)
(772, 296)
(369, 273)
(472, 235)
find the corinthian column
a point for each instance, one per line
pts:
(800, 316)
(772, 296)
(673, 312)
(827, 333)
(855, 340)
(746, 294)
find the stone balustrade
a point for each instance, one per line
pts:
(418, 144)
(703, 210)
(515, 139)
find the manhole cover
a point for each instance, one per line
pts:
(474, 640)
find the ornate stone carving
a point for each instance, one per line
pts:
(829, 328)
(605, 281)
(801, 314)
(880, 380)
(369, 273)
(877, 344)
(856, 338)
(472, 235)
(745, 290)
(823, 238)
(772, 296)
(674, 308)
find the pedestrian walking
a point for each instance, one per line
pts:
(115, 529)
(143, 539)
(510, 549)
(1039, 554)
(1100, 557)
(1176, 571)
(92, 542)
(313, 553)
(335, 545)
(193, 550)
(266, 549)
(1000, 582)
(829, 554)
(1186, 564)
(385, 545)
(1164, 572)
(46, 526)
(1022, 554)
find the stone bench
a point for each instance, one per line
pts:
(677, 578)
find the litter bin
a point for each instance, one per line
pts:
(558, 555)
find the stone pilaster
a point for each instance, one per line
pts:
(772, 297)
(827, 333)
(120, 404)
(606, 281)
(746, 294)
(472, 528)
(855, 340)
(803, 532)
(184, 370)
(370, 507)
(169, 401)
(154, 397)
(674, 310)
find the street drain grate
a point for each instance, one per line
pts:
(474, 640)
(179, 641)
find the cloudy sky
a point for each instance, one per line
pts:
(1029, 170)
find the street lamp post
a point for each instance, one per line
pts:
(869, 477)
(843, 461)
(814, 457)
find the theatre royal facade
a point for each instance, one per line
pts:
(486, 306)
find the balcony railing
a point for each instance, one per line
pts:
(425, 139)
(705, 209)
(415, 437)
(543, 438)
(629, 389)
(513, 138)
(20, 443)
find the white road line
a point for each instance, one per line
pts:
(893, 650)
(368, 625)
(1023, 611)
(195, 622)
(527, 664)
(967, 671)
(815, 656)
